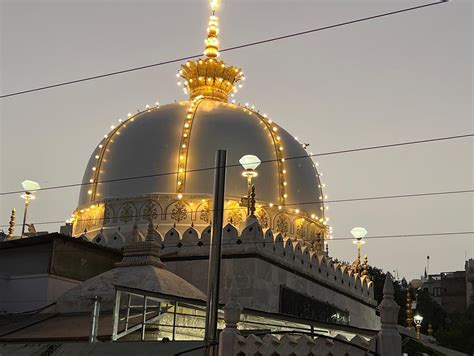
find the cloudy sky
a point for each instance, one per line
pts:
(405, 77)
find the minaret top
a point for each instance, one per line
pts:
(212, 41)
(209, 77)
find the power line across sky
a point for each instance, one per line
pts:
(238, 47)
(233, 165)
(380, 197)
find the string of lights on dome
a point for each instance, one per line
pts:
(103, 147)
(233, 48)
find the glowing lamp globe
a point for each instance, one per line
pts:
(30, 186)
(250, 162)
(418, 319)
(359, 232)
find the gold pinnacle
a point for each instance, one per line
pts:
(11, 228)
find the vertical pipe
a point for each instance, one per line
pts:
(144, 317)
(215, 248)
(174, 320)
(116, 315)
(95, 319)
(128, 311)
(27, 202)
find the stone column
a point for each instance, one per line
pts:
(228, 336)
(389, 341)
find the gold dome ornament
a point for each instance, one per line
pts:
(208, 77)
(11, 227)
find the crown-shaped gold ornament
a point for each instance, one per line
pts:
(209, 77)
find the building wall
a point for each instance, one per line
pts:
(29, 292)
(453, 286)
(36, 271)
(25, 260)
(257, 282)
(433, 285)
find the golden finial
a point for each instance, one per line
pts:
(409, 312)
(209, 77)
(365, 270)
(212, 41)
(11, 228)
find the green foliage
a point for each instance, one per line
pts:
(377, 276)
(452, 331)
(431, 311)
(458, 332)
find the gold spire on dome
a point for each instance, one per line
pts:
(209, 77)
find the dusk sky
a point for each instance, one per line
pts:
(394, 79)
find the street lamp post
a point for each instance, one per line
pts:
(418, 319)
(250, 164)
(29, 186)
(358, 233)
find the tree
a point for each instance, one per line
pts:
(431, 311)
(454, 331)
(377, 276)
(458, 333)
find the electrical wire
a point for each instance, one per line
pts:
(282, 205)
(250, 44)
(240, 242)
(367, 148)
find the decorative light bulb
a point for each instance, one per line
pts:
(250, 162)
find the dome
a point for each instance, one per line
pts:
(158, 164)
(148, 147)
(140, 268)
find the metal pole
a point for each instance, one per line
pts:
(215, 249)
(95, 319)
(116, 316)
(145, 299)
(27, 202)
(128, 311)
(249, 190)
(174, 320)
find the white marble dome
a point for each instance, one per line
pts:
(150, 144)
